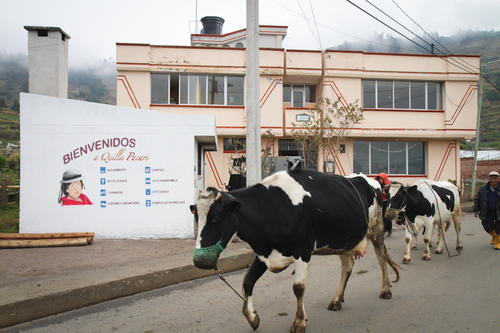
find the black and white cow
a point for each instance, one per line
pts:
(288, 217)
(428, 204)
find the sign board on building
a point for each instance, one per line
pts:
(115, 171)
(303, 117)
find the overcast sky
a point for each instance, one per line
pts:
(95, 26)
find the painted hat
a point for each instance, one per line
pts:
(71, 175)
(494, 173)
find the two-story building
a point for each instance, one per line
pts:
(417, 108)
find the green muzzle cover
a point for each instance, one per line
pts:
(206, 257)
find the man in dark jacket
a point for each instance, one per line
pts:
(487, 206)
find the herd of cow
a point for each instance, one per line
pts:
(292, 215)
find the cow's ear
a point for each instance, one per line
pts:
(192, 208)
(233, 206)
(411, 189)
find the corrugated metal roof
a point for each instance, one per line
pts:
(482, 155)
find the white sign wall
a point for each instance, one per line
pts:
(138, 169)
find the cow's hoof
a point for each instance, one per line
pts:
(426, 258)
(438, 252)
(255, 322)
(414, 247)
(298, 327)
(406, 260)
(386, 294)
(335, 306)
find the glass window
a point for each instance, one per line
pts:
(206, 89)
(216, 90)
(235, 90)
(384, 95)
(393, 157)
(361, 156)
(379, 157)
(433, 95)
(401, 94)
(298, 98)
(369, 94)
(234, 144)
(287, 93)
(159, 88)
(416, 158)
(397, 158)
(418, 95)
(310, 92)
(183, 87)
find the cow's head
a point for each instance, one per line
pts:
(397, 200)
(217, 224)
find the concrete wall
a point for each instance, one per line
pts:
(140, 168)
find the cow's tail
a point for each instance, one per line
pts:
(395, 267)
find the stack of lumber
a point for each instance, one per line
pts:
(47, 239)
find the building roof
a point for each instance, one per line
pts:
(482, 155)
(36, 28)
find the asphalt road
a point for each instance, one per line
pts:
(446, 294)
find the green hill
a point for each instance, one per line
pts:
(483, 43)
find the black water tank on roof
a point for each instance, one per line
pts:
(212, 25)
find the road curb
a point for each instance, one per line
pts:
(44, 306)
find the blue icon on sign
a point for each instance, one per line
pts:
(148, 180)
(103, 204)
(103, 193)
(103, 169)
(148, 169)
(148, 203)
(103, 181)
(148, 191)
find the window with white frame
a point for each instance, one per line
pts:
(414, 95)
(391, 157)
(197, 89)
(299, 94)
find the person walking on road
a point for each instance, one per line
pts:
(487, 207)
(383, 180)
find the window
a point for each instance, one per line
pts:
(298, 95)
(197, 89)
(159, 89)
(415, 95)
(391, 157)
(234, 144)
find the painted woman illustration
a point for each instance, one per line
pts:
(71, 189)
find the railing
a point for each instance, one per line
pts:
(4, 196)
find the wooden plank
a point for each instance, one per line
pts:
(46, 235)
(21, 243)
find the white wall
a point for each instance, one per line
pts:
(54, 135)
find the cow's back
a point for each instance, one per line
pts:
(337, 209)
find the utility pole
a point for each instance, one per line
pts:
(252, 105)
(482, 72)
(476, 143)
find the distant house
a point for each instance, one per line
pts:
(417, 108)
(12, 147)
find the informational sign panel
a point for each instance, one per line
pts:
(118, 172)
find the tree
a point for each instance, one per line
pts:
(15, 106)
(329, 124)
(2, 103)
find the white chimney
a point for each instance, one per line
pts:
(48, 61)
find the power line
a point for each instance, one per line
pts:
(430, 35)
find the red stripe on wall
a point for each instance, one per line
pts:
(213, 167)
(123, 79)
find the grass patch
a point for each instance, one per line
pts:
(9, 218)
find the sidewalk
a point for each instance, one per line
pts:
(39, 282)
